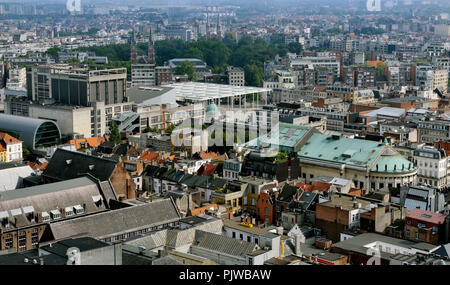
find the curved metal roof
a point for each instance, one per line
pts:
(26, 127)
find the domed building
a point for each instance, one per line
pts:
(212, 113)
(392, 170)
(370, 165)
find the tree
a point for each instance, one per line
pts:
(254, 75)
(114, 132)
(53, 51)
(25, 152)
(170, 129)
(380, 69)
(187, 67)
(295, 48)
(72, 60)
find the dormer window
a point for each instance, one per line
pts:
(69, 211)
(45, 217)
(4, 217)
(69, 162)
(79, 209)
(55, 214)
(91, 167)
(29, 212)
(97, 200)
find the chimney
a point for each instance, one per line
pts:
(41, 261)
(39, 217)
(298, 251)
(280, 231)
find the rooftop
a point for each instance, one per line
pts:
(198, 92)
(426, 216)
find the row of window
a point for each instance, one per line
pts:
(22, 240)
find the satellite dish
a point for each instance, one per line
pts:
(73, 5)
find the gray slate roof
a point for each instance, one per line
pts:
(80, 163)
(111, 223)
(49, 197)
(224, 244)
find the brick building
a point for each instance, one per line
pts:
(426, 226)
(265, 206)
(345, 211)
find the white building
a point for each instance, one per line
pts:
(10, 148)
(17, 79)
(432, 167)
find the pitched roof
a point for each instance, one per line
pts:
(321, 186)
(287, 193)
(212, 155)
(224, 244)
(119, 221)
(66, 165)
(304, 187)
(207, 169)
(7, 139)
(92, 142)
(149, 156)
(49, 197)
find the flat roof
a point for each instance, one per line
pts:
(359, 243)
(200, 92)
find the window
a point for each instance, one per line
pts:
(233, 234)
(250, 261)
(35, 237)
(8, 242)
(22, 240)
(69, 211)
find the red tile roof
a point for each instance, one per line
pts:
(321, 186)
(202, 210)
(206, 169)
(426, 216)
(304, 187)
(149, 156)
(212, 156)
(6, 139)
(92, 142)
